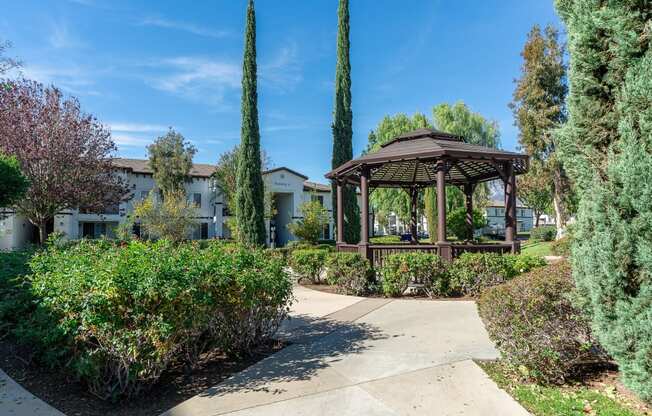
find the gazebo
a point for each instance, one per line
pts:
(420, 159)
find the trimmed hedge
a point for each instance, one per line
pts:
(118, 316)
(423, 270)
(536, 328)
(351, 272)
(309, 263)
(543, 233)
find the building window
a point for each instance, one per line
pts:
(143, 195)
(319, 198)
(327, 232)
(204, 231)
(196, 199)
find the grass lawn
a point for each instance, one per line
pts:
(537, 248)
(580, 400)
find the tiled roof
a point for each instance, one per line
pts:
(201, 170)
(314, 186)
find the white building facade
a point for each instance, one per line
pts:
(288, 188)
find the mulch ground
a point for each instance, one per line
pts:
(174, 387)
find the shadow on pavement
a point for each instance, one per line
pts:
(314, 341)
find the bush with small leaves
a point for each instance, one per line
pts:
(424, 271)
(351, 272)
(537, 329)
(117, 315)
(472, 272)
(309, 264)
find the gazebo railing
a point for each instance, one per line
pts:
(377, 253)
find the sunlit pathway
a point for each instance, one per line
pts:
(356, 356)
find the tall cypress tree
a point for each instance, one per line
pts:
(606, 147)
(343, 126)
(250, 193)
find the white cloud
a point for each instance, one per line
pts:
(137, 127)
(71, 79)
(128, 140)
(62, 38)
(284, 71)
(184, 27)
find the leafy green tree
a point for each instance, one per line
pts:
(250, 189)
(535, 190)
(606, 148)
(311, 226)
(456, 222)
(170, 158)
(539, 108)
(13, 184)
(457, 119)
(343, 127)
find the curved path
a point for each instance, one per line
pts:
(357, 356)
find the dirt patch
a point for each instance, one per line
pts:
(175, 386)
(608, 382)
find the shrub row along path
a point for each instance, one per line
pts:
(357, 356)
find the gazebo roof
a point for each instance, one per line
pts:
(410, 159)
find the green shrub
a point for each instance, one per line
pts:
(424, 270)
(385, 239)
(543, 233)
(473, 272)
(15, 298)
(118, 316)
(561, 247)
(523, 263)
(535, 326)
(309, 263)
(351, 272)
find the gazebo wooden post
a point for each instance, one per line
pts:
(468, 194)
(363, 246)
(340, 214)
(445, 250)
(510, 208)
(414, 197)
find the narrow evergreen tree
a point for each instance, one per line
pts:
(250, 193)
(539, 108)
(343, 126)
(606, 147)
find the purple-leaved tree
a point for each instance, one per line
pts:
(65, 153)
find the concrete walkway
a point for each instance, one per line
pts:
(356, 356)
(16, 401)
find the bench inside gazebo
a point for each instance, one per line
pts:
(420, 159)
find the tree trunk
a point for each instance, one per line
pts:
(43, 231)
(558, 199)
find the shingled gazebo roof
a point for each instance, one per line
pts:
(410, 160)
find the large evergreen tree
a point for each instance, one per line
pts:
(250, 192)
(343, 126)
(539, 108)
(606, 147)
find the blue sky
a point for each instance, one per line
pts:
(141, 66)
